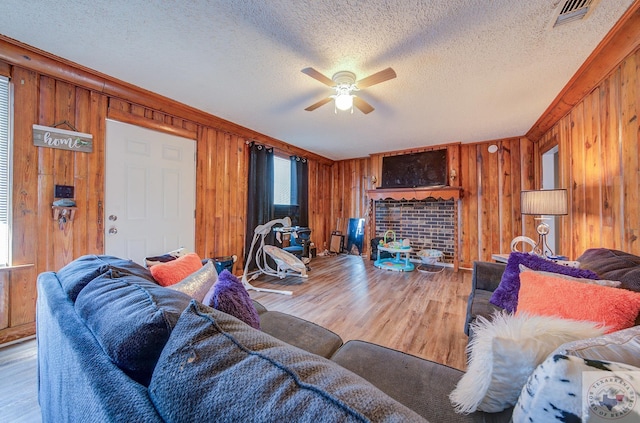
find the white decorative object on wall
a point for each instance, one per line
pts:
(47, 136)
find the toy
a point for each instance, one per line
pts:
(396, 263)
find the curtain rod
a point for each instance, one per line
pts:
(247, 142)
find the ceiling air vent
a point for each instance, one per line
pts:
(573, 10)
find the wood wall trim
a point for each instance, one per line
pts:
(444, 193)
(17, 332)
(416, 149)
(621, 41)
(125, 117)
(23, 55)
(5, 69)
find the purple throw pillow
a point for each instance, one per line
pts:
(230, 296)
(506, 295)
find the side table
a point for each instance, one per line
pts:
(504, 258)
(500, 258)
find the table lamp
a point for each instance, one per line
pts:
(546, 202)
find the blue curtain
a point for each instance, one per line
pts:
(300, 188)
(260, 192)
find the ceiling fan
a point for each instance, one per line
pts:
(344, 83)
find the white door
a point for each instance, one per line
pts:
(150, 192)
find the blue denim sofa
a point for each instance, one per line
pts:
(115, 346)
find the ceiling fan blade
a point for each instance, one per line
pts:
(317, 75)
(362, 105)
(376, 78)
(318, 104)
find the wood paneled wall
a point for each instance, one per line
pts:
(350, 181)
(490, 214)
(221, 175)
(320, 201)
(598, 146)
(491, 184)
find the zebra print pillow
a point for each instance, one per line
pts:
(555, 393)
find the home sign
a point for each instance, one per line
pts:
(46, 136)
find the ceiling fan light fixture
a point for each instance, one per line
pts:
(344, 83)
(344, 101)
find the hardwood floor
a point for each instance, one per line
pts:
(19, 383)
(418, 313)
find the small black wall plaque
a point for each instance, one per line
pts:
(63, 191)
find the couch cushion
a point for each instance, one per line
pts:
(421, 385)
(259, 307)
(228, 371)
(300, 333)
(77, 274)
(131, 319)
(481, 305)
(613, 264)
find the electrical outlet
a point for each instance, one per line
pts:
(63, 191)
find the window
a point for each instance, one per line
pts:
(281, 181)
(5, 176)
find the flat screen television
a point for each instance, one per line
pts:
(425, 169)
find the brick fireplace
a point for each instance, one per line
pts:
(428, 217)
(427, 223)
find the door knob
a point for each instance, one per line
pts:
(113, 217)
(113, 230)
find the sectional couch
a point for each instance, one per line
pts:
(115, 346)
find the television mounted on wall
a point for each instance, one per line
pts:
(424, 169)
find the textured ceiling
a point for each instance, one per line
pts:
(467, 70)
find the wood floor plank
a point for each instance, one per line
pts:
(18, 383)
(418, 313)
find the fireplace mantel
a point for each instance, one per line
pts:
(440, 193)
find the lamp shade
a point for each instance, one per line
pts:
(544, 202)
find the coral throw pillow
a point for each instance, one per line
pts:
(172, 272)
(553, 296)
(230, 296)
(506, 295)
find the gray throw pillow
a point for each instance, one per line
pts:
(228, 371)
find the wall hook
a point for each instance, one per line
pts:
(63, 215)
(64, 122)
